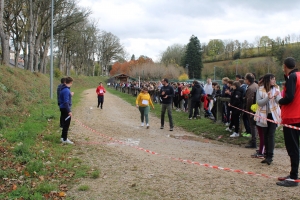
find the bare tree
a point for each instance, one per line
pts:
(108, 49)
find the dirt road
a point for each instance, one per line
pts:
(130, 173)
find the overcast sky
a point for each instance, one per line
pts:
(148, 27)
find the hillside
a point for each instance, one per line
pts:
(229, 68)
(33, 162)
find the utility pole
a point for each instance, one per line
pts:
(51, 56)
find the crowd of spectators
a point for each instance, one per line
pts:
(259, 102)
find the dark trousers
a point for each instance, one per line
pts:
(235, 121)
(100, 101)
(252, 125)
(246, 123)
(214, 109)
(185, 104)
(165, 107)
(61, 121)
(194, 106)
(66, 124)
(291, 139)
(269, 137)
(175, 100)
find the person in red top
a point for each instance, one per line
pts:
(185, 96)
(100, 92)
(290, 114)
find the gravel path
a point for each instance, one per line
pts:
(127, 172)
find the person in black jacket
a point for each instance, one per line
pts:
(166, 96)
(196, 93)
(236, 100)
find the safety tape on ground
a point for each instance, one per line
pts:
(286, 125)
(179, 159)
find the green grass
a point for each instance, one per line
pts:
(202, 127)
(30, 135)
(83, 188)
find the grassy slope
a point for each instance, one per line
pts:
(33, 162)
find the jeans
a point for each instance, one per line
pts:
(144, 113)
(253, 129)
(100, 101)
(165, 107)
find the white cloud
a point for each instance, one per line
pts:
(148, 27)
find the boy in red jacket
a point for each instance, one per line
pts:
(100, 92)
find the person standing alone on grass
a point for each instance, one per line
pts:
(62, 82)
(100, 92)
(290, 114)
(65, 99)
(166, 95)
(142, 102)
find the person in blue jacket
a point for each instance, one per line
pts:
(65, 100)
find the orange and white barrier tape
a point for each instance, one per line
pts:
(286, 125)
(179, 159)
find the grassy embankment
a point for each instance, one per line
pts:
(201, 127)
(33, 161)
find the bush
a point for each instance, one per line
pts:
(57, 73)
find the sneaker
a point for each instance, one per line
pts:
(68, 141)
(234, 134)
(171, 129)
(147, 126)
(162, 127)
(190, 118)
(62, 139)
(228, 129)
(248, 135)
(142, 124)
(283, 178)
(257, 155)
(211, 117)
(267, 160)
(252, 146)
(287, 183)
(227, 124)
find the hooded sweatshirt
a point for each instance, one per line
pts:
(196, 92)
(65, 98)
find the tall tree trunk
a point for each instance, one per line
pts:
(30, 39)
(43, 56)
(4, 37)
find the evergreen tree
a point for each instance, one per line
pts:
(132, 57)
(193, 58)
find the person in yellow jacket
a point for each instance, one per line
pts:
(143, 102)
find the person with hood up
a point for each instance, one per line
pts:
(236, 100)
(195, 93)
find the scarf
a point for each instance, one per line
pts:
(261, 112)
